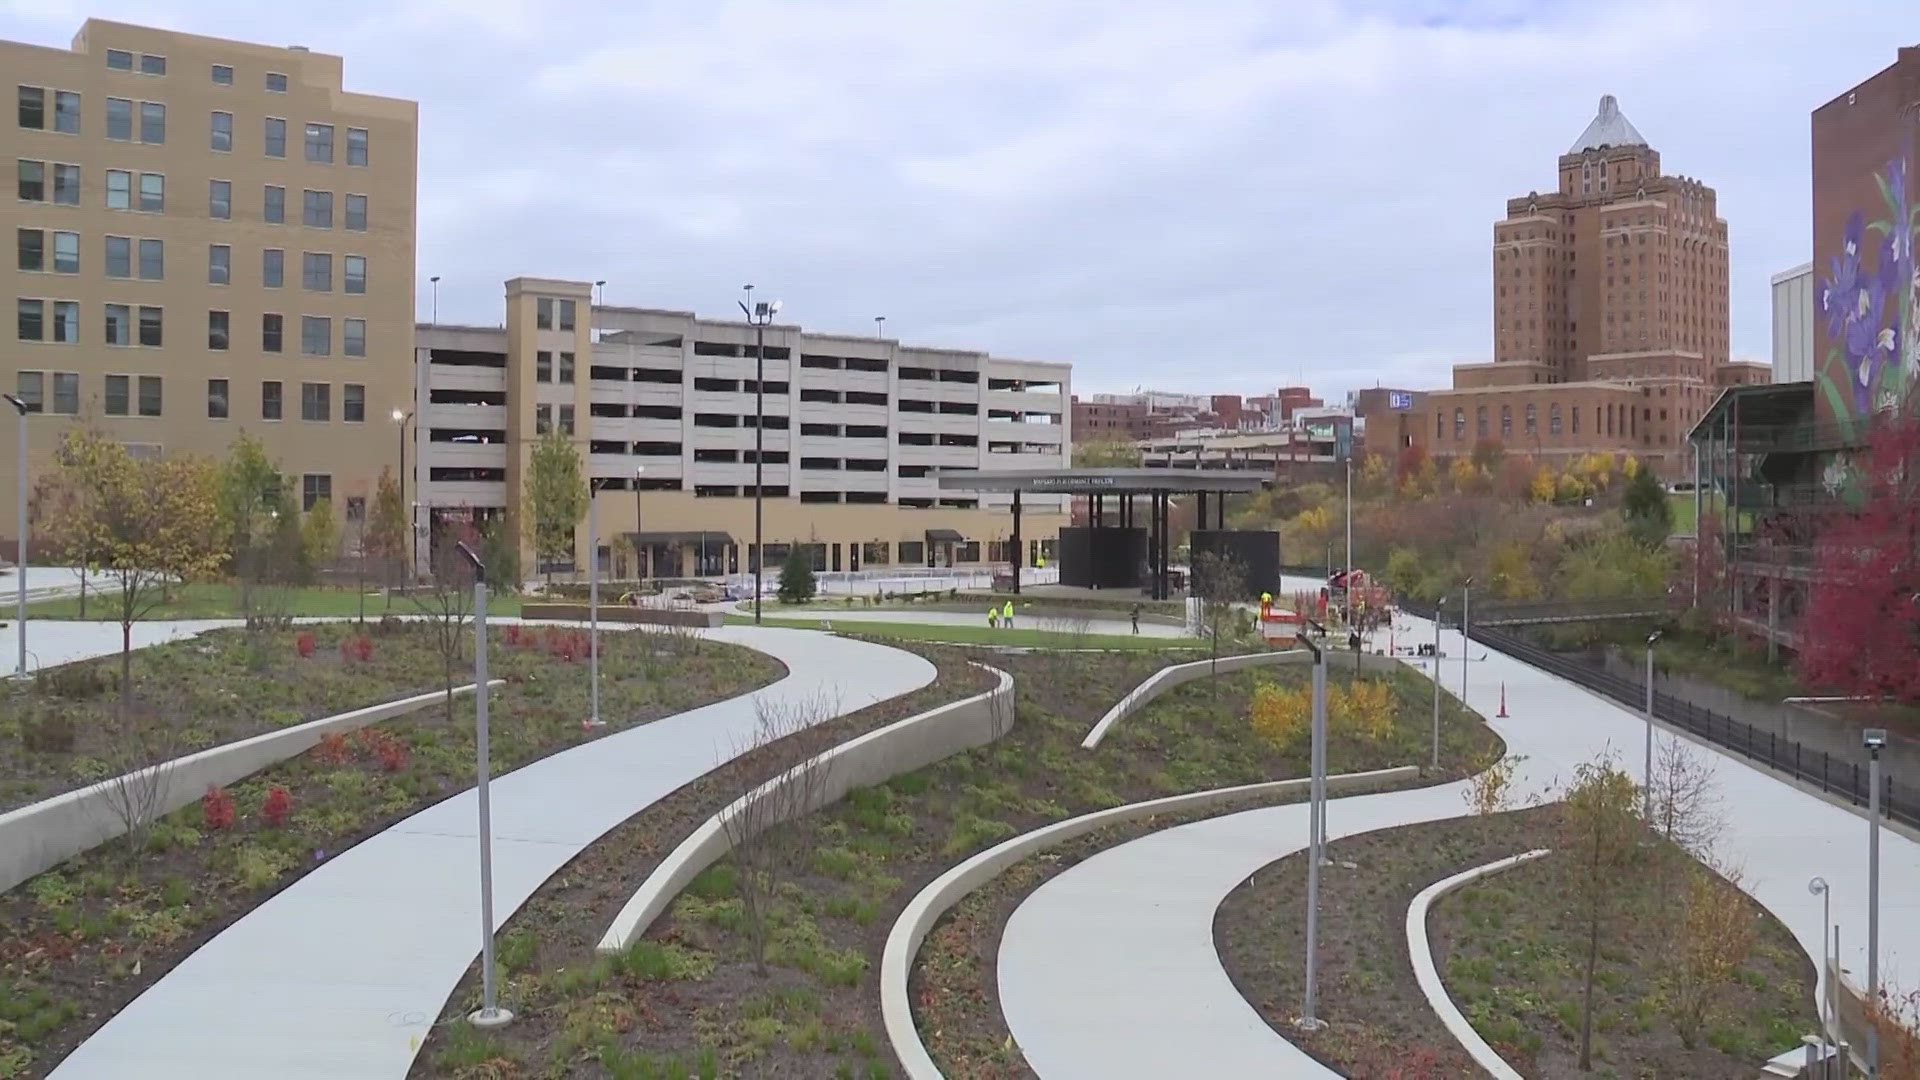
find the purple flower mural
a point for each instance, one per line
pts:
(1870, 307)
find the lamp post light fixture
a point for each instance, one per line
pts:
(435, 282)
(879, 326)
(490, 1014)
(593, 600)
(601, 289)
(759, 313)
(20, 545)
(1316, 829)
(1646, 796)
(1818, 887)
(1876, 741)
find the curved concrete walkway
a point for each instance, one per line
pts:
(852, 617)
(341, 974)
(1109, 969)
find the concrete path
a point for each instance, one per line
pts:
(851, 616)
(52, 642)
(1109, 970)
(341, 974)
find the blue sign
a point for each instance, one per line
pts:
(1399, 400)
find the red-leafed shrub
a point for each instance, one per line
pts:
(216, 806)
(276, 806)
(363, 648)
(304, 643)
(333, 749)
(393, 755)
(565, 646)
(511, 634)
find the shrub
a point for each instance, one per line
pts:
(278, 804)
(334, 749)
(391, 753)
(1281, 714)
(511, 634)
(76, 682)
(358, 649)
(216, 806)
(304, 644)
(47, 731)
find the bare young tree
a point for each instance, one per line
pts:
(1716, 935)
(140, 752)
(1219, 582)
(1601, 848)
(445, 602)
(765, 854)
(1687, 808)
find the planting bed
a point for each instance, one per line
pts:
(1509, 951)
(78, 942)
(688, 995)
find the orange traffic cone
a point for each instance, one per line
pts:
(1502, 714)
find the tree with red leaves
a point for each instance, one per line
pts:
(1861, 631)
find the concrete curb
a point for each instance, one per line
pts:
(1169, 677)
(1421, 950)
(39, 836)
(873, 758)
(926, 908)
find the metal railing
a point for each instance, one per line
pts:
(1834, 775)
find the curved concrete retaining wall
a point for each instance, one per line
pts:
(1421, 950)
(1169, 677)
(624, 613)
(39, 836)
(925, 909)
(873, 758)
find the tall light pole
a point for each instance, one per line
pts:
(759, 313)
(1818, 887)
(1316, 838)
(435, 282)
(1466, 641)
(1646, 795)
(639, 566)
(1876, 740)
(1436, 686)
(402, 417)
(880, 326)
(490, 1014)
(20, 546)
(593, 599)
(1349, 591)
(601, 289)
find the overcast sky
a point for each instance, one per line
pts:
(1206, 195)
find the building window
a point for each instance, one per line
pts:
(566, 419)
(153, 193)
(149, 395)
(316, 401)
(32, 322)
(66, 393)
(32, 246)
(120, 118)
(153, 122)
(354, 271)
(273, 268)
(222, 75)
(152, 65)
(566, 314)
(542, 312)
(151, 326)
(119, 60)
(353, 403)
(1576, 419)
(33, 181)
(276, 82)
(29, 386)
(1439, 426)
(217, 399)
(33, 108)
(320, 143)
(356, 146)
(220, 132)
(119, 189)
(353, 337)
(1553, 418)
(542, 366)
(270, 328)
(117, 399)
(566, 367)
(220, 199)
(153, 260)
(315, 488)
(66, 253)
(317, 209)
(316, 335)
(219, 264)
(119, 325)
(357, 213)
(1459, 424)
(1480, 422)
(1506, 421)
(270, 399)
(1533, 420)
(66, 185)
(316, 271)
(542, 419)
(66, 321)
(217, 327)
(276, 137)
(66, 112)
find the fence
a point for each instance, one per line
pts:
(1834, 775)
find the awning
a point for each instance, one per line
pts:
(668, 539)
(944, 536)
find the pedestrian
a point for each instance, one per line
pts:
(1006, 617)
(993, 616)
(1136, 619)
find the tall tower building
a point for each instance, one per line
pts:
(1612, 290)
(208, 237)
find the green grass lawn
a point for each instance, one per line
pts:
(218, 600)
(1683, 519)
(976, 635)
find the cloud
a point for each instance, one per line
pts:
(1220, 197)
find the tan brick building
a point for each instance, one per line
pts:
(208, 237)
(1609, 309)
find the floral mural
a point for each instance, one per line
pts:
(1870, 295)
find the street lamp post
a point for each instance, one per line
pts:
(435, 280)
(20, 547)
(639, 565)
(1876, 740)
(1466, 640)
(403, 418)
(593, 599)
(1818, 887)
(1646, 796)
(1316, 839)
(1436, 686)
(760, 314)
(490, 1014)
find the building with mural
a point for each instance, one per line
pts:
(1776, 462)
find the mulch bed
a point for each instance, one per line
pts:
(79, 942)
